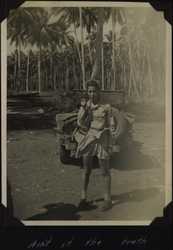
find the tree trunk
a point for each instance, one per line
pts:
(19, 67)
(102, 60)
(51, 70)
(19, 59)
(90, 54)
(66, 75)
(39, 70)
(142, 78)
(27, 72)
(137, 76)
(123, 79)
(130, 71)
(96, 73)
(113, 48)
(77, 42)
(15, 69)
(82, 49)
(54, 77)
(74, 75)
(150, 76)
(46, 76)
(133, 82)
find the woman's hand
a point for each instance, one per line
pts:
(89, 105)
(83, 102)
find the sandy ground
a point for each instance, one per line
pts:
(45, 189)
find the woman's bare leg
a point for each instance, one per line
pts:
(87, 164)
(104, 165)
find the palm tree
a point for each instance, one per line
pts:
(18, 25)
(61, 39)
(99, 44)
(79, 18)
(82, 48)
(113, 45)
(88, 18)
(38, 35)
(27, 71)
(44, 34)
(70, 16)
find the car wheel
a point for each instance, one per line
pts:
(64, 155)
(121, 124)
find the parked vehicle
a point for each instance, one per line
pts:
(29, 110)
(67, 122)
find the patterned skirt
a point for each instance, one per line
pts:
(95, 143)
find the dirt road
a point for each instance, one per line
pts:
(45, 189)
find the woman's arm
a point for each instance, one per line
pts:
(82, 118)
(108, 110)
(120, 123)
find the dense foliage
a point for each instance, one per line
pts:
(49, 54)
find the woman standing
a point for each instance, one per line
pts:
(94, 139)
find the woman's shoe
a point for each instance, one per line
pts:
(106, 205)
(84, 204)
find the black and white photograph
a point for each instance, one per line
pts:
(86, 107)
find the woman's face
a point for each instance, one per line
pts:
(93, 94)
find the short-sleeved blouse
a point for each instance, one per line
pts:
(96, 142)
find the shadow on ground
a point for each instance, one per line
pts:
(133, 158)
(136, 195)
(60, 211)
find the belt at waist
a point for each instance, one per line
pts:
(105, 128)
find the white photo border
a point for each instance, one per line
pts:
(168, 111)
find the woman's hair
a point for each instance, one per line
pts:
(93, 83)
(84, 96)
